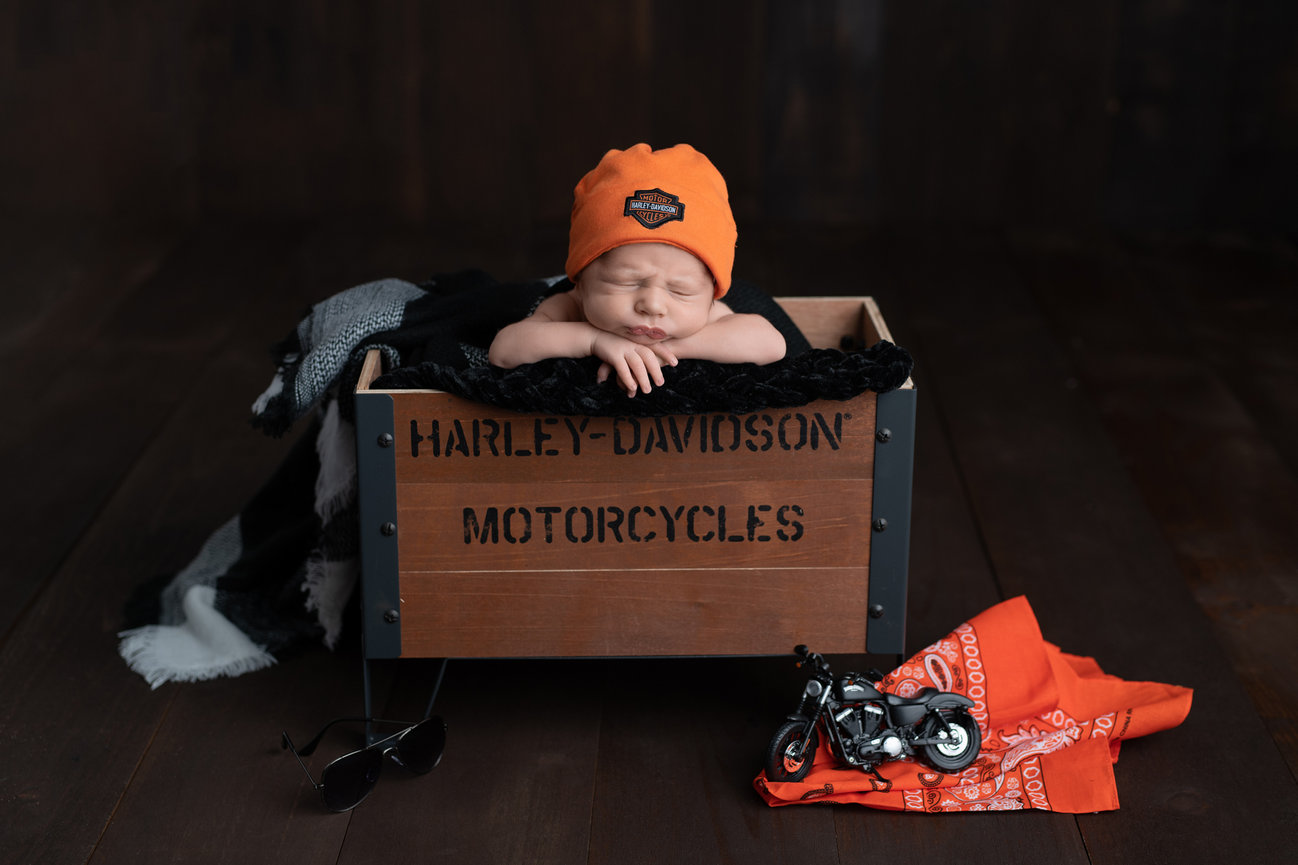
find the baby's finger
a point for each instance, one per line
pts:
(640, 370)
(665, 354)
(602, 375)
(654, 366)
(624, 376)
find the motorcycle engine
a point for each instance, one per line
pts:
(872, 715)
(861, 721)
(868, 743)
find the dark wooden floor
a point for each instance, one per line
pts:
(1107, 425)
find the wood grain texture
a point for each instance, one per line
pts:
(1063, 523)
(445, 439)
(1176, 407)
(683, 611)
(843, 112)
(517, 780)
(505, 527)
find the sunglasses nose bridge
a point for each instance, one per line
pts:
(393, 753)
(422, 745)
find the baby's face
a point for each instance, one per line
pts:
(646, 292)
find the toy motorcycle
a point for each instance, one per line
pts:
(865, 726)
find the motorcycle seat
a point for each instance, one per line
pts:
(919, 697)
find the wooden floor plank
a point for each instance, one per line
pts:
(1236, 300)
(145, 509)
(516, 781)
(61, 280)
(215, 782)
(680, 743)
(59, 661)
(1063, 524)
(1225, 497)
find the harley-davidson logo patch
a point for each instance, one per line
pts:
(654, 208)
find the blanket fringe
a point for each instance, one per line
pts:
(328, 585)
(336, 483)
(142, 656)
(205, 646)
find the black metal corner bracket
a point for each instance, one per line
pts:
(376, 465)
(894, 460)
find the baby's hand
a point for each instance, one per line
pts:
(637, 366)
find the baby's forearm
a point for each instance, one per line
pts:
(529, 341)
(736, 338)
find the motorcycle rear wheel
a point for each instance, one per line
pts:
(784, 761)
(956, 754)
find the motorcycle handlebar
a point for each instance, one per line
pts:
(816, 659)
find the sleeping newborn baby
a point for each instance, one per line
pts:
(650, 250)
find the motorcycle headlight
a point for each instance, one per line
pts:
(814, 688)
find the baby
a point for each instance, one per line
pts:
(650, 250)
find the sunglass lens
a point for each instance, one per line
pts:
(420, 748)
(348, 780)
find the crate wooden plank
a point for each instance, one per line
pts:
(702, 611)
(444, 438)
(827, 321)
(505, 527)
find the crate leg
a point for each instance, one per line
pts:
(437, 686)
(370, 735)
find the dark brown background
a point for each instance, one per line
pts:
(1145, 114)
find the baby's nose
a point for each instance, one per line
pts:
(650, 300)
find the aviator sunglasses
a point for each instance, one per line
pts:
(346, 782)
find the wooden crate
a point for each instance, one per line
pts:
(491, 533)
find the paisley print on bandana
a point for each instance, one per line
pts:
(1052, 725)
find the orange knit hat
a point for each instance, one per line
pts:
(640, 195)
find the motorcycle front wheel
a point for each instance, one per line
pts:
(786, 759)
(957, 752)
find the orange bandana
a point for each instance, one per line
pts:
(639, 195)
(1051, 725)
